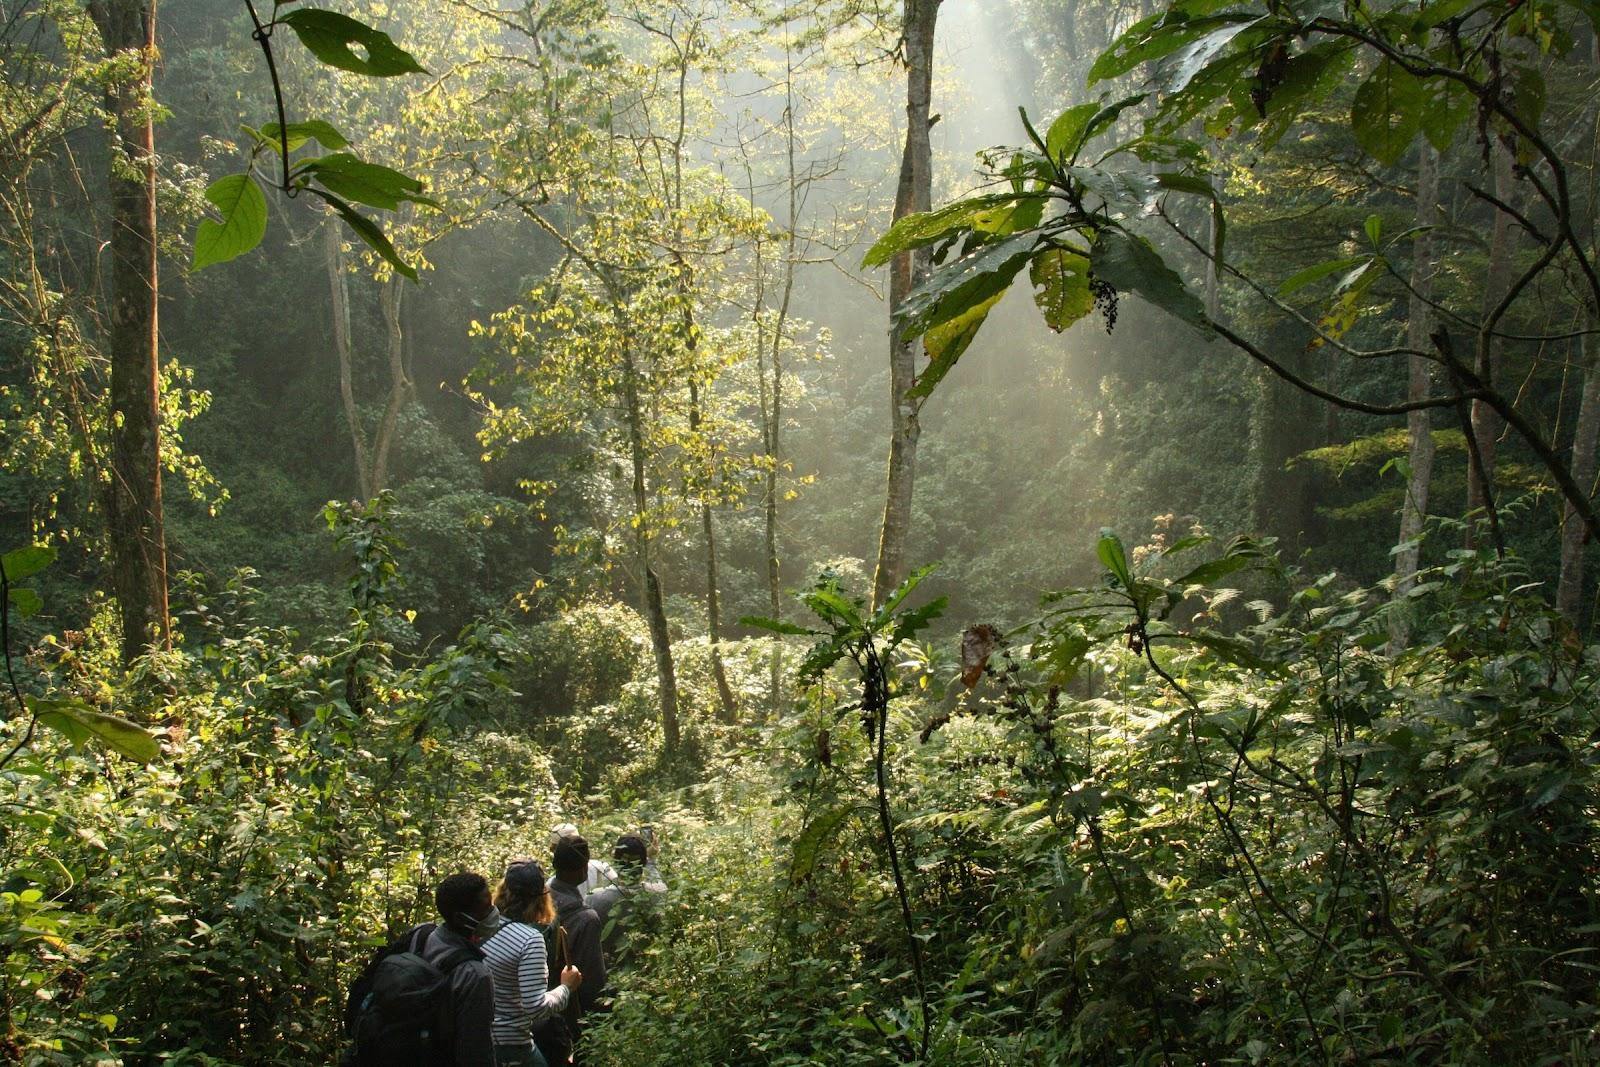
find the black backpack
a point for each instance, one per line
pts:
(553, 1037)
(399, 1012)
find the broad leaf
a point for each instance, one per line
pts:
(300, 133)
(80, 723)
(369, 232)
(1127, 262)
(928, 227)
(1180, 70)
(1114, 557)
(1207, 573)
(1155, 37)
(808, 846)
(26, 601)
(365, 183)
(1061, 287)
(1386, 113)
(1317, 272)
(898, 595)
(335, 39)
(1240, 653)
(947, 342)
(26, 562)
(964, 284)
(1066, 133)
(244, 221)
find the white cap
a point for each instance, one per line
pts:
(560, 831)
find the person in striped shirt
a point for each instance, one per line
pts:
(518, 965)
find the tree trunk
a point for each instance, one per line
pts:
(728, 707)
(400, 387)
(1419, 424)
(655, 611)
(138, 535)
(339, 285)
(772, 398)
(1569, 588)
(914, 193)
(1486, 423)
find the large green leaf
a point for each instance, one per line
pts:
(23, 563)
(300, 133)
(1127, 262)
(369, 232)
(1318, 271)
(927, 227)
(1061, 287)
(26, 601)
(1158, 36)
(80, 723)
(366, 183)
(335, 39)
(947, 342)
(1065, 135)
(1192, 58)
(244, 221)
(1114, 556)
(808, 846)
(1386, 113)
(958, 287)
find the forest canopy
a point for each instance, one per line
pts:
(426, 425)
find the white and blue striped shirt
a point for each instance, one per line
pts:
(517, 964)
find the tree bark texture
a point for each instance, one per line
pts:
(914, 193)
(339, 291)
(1486, 422)
(137, 528)
(655, 611)
(1419, 423)
(1574, 535)
(726, 704)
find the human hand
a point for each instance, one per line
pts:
(571, 977)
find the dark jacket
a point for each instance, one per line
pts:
(583, 941)
(471, 999)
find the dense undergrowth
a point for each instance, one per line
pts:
(1166, 825)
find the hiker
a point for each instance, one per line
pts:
(598, 873)
(579, 933)
(625, 906)
(517, 960)
(426, 1000)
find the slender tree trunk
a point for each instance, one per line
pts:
(137, 528)
(339, 286)
(655, 611)
(1486, 423)
(728, 707)
(1419, 424)
(914, 193)
(400, 387)
(772, 416)
(1569, 588)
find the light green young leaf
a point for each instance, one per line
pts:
(372, 184)
(23, 563)
(244, 221)
(299, 134)
(929, 227)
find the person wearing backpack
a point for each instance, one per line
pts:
(516, 956)
(426, 1000)
(578, 937)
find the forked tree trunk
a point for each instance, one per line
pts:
(137, 528)
(914, 193)
(339, 290)
(371, 456)
(1419, 425)
(1574, 535)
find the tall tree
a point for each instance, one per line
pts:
(914, 193)
(138, 537)
(1419, 422)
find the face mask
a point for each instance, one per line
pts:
(486, 927)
